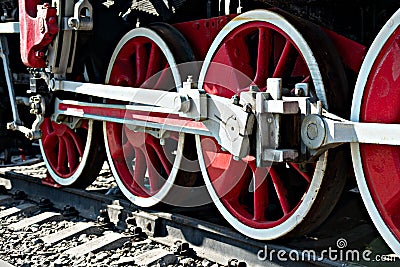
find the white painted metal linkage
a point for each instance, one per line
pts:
(102, 112)
(172, 102)
(322, 132)
(197, 112)
(9, 27)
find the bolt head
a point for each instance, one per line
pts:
(235, 100)
(52, 20)
(254, 88)
(298, 92)
(312, 131)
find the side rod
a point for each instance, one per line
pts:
(172, 102)
(319, 132)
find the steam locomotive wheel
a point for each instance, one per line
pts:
(144, 169)
(73, 157)
(283, 199)
(376, 99)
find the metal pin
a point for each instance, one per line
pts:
(319, 107)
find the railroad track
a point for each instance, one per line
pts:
(45, 226)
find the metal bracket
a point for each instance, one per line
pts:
(38, 28)
(36, 103)
(71, 122)
(157, 133)
(83, 17)
(269, 114)
(61, 52)
(197, 109)
(37, 108)
(149, 223)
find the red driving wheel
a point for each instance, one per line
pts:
(283, 199)
(376, 98)
(145, 165)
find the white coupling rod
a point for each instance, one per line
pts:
(229, 123)
(321, 132)
(172, 102)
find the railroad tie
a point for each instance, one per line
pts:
(152, 257)
(5, 199)
(27, 207)
(106, 242)
(79, 228)
(40, 218)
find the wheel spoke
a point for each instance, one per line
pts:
(306, 79)
(263, 56)
(50, 145)
(126, 71)
(154, 61)
(47, 127)
(153, 169)
(71, 153)
(118, 155)
(128, 150)
(260, 191)
(84, 124)
(140, 167)
(160, 154)
(163, 76)
(237, 54)
(286, 61)
(233, 181)
(280, 190)
(305, 175)
(62, 156)
(77, 143)
(128, 155)
(141, 64)
(392, 207)
(49, 141)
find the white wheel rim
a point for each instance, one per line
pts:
(307, 201)
(163, 192)
(362, 79)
